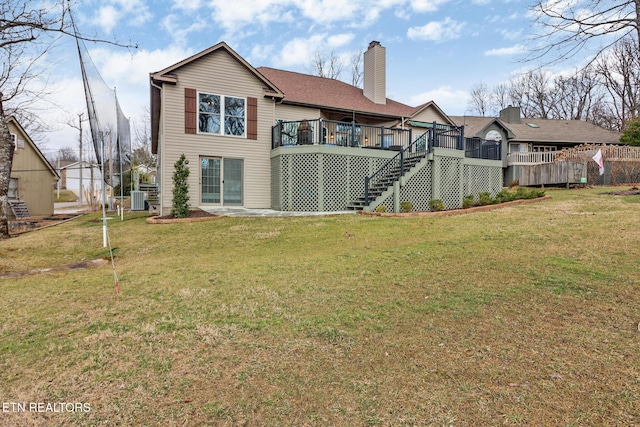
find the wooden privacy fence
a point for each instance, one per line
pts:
(609, 152)
(558, 173)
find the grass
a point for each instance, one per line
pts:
(65, 196)
(525, 315)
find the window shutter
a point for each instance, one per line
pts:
(252, 118)
(190, 111)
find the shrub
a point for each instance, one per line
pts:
(505, 195)
(436, 205)
(485, 198)
(468, 201)
(180, 202)
(381, 208)
(514, 183)
(406, 206)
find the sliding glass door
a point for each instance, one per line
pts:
(221, 181)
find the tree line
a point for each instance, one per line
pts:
(605, 92)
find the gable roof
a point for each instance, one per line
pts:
(543, 130)
(16, 123)
(478, 126)
(167, 75)
(308, 90)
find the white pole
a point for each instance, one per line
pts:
(60, 176)
(104, 200)
(81, 165)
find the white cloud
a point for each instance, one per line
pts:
(187, 5)
(426, 5)
(179, 30)
(448, 99)
(506, 51)
(236, 14)
(481, 2)
(107, 18)
(123, 68)
(437, 31)
(259, 53)
(300, 51)
(511, 34)
(339, 40)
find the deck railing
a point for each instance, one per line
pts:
(351, 134)
(477, 148)
(344, 134)
(531, 157)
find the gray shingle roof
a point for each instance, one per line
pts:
(544, 130)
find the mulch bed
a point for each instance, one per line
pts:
(633, 191)
(195, 215)
(457, 211)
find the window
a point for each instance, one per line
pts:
(13, 188)
(518, 148)
(14, 139)
(221, 115)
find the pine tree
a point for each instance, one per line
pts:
(631, 135)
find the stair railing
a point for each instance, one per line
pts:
(419, 145)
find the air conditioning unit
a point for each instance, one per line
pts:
(137, 200)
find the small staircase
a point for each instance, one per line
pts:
(19, 208)
(386, 181)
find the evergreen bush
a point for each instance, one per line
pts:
(180, 203)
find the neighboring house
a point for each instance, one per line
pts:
(269, 138)
(32, 176)
(91, 183)
(529, 143)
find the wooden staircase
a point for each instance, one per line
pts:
(19, 208)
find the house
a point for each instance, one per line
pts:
(269, 138)
(32, 176)
(530, 146)
(82, 176)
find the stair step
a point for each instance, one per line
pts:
(381, 185)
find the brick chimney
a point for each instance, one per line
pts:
(375, 80)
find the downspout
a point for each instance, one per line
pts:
(160, 161)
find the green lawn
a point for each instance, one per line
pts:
(526, 315)
(64, 196)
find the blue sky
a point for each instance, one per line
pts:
(436, 49)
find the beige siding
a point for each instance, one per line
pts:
(217, 73)
(429, 115)
(35, 178)
(293, 113)
(374, 74)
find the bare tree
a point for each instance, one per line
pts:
(620, 70)
(6, 160)
(532, 92)
(356, 68)
(26, 28)
(328, 67)
(566, 27)
(574, 97)
(500, 97)
(141, 153)
(67, 154)
(480, 99)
